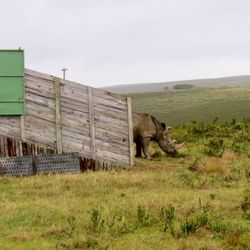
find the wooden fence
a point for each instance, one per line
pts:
(65, 116)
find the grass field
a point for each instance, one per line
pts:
(199, 199)
(178, 107)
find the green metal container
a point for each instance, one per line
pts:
(12, 82)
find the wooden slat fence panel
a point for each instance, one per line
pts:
(92, 122)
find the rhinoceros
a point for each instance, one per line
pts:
(147, 128)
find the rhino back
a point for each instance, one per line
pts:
(143, 125)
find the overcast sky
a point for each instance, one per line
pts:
(109, 42)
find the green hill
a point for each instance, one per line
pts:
(178, 107)
(233, 81)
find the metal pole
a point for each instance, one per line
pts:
(64, 72)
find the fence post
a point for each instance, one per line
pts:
(91, 123)
(58, 115)
(22, 128)
(22, 133)
(130, 132)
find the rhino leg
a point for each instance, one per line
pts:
(145, 146)
(138, 148)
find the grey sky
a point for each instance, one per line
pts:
(108, 42)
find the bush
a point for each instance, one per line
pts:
(245, 204)
(215, 147)
(239, 126)
(183, 86)
(167, 216)
(143, 217)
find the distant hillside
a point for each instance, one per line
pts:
(200, 104)
(233, 81)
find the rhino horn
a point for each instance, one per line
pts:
(178, 146)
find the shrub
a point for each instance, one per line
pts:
(189, 226)
(96, 222)
(215, 147)
(183, 86)
(143, 217)
(167, 216)
(71, 227)
(218, 227)
(239, 126)
(245, 204)
(247, 172)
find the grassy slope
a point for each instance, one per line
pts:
(123, 209)
(179, 107)
(127, 209)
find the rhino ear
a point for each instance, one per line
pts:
(163, 125)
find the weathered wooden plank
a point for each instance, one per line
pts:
(39, 138)
(14, 120)
(110, 121)
(43, 114)
(6, 130)
(113, 149)
(38, 124)
(75, 105)
(58, 115)
(10, 126)
(45, 135)
(38, 105)
(92, 122)
(115, 108)
(40, 100)
(107, 142)
(76, 128)
(82, 117)
(112, 127)
(112, 157)
(46, 131)
(111, 135)
(108, 95)
(74, 94)
(101, 111)
(38, 74)
(71, 146)
(39, 92)
(74, 86)
(110, 104)
(32, 82)
(67, 133)
(39, 85)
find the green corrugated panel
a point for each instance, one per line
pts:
(11, 82)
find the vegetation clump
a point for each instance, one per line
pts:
(245, 204)
(183, 86)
